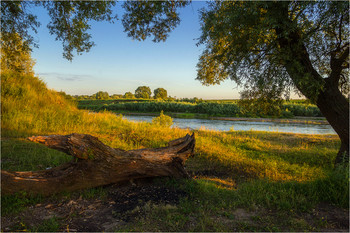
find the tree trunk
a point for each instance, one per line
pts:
(335, 108)
(323, 91)
(97, 164)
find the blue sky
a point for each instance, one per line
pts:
(118, 64)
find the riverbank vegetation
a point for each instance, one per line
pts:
(241, 181)
(219, 108)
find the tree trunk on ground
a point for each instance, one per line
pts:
(97, 164)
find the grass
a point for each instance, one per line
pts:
(91, 193)
(252, 172)
(20, 155)
(13, 204)
(49, 225)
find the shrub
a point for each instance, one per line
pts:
(163, 120)
(287, 114)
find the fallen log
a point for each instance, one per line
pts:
(97, 164)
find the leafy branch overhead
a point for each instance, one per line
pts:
(151, 18)
(243, 42)
(70, 22)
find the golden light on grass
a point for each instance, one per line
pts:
(221, 183)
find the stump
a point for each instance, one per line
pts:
(97, 164)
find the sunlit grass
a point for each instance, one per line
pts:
(236, 169)
(28, 108)
(20, 155)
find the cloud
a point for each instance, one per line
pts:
(66, 77)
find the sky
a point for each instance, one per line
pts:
(118, 64)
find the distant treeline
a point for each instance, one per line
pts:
(212, 108)
(142, 92)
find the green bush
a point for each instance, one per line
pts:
(163, 120)
(286, 114)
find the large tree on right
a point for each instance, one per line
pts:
(271, 47)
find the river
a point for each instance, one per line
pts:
(225, 125)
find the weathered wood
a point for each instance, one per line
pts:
(97, 164)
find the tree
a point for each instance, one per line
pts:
(143, 92)
(129, 95)
(160, 93)
(270, 47)
(102, 95)
(14, 55)
(116, 96)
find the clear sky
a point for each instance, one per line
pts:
(118, 64)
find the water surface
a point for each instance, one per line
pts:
(224, 125)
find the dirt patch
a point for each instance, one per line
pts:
(243, 215)
(128, 198)
(75, 214)
(329, 218)
(93, 215)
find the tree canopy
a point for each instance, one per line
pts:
(160, 93)
(15, 55)
(102, 95)
(244, 43)
(143, 92)
(129, 95)
(70, 22)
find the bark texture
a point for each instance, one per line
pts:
(335, 108)
(97, 164)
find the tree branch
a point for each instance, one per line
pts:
(340, 30)
(338, 65)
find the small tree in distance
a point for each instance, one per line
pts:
(116, 96)
(102, 95)
(129, 95)
(143, 92)
(160, 93)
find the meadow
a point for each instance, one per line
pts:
(241, 180)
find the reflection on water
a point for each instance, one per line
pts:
(243, 125)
